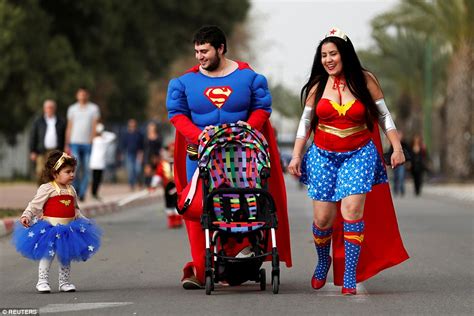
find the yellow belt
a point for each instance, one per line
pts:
(58, 220)
(342, 132)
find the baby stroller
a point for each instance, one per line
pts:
(234, 165)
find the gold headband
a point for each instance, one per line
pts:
(335, 32)
(60, 161)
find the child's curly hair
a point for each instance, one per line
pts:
(51, 168)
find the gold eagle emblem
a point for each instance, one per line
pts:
(342, 109)
(65, 202)
(355, 237)
(321, 240)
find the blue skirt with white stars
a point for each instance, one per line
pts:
(331, 176)
(77, 240)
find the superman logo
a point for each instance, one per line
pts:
(218, 95)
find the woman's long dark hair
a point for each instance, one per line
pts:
(353, 73)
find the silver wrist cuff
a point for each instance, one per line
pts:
(305, 123)
(385, 118)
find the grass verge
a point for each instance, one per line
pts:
(9, 212)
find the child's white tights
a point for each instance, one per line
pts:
(43, 271)
(64, 273)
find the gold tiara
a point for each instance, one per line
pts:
(335, 32)
(60, 161)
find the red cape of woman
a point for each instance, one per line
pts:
(276, 187)
(382, 247)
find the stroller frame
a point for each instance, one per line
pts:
(215, 261)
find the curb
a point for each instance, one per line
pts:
(6, 226)
(135, 200)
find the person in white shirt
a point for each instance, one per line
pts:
(82, 118)
(100, 147)
(47, 134)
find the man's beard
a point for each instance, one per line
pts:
(214, 64)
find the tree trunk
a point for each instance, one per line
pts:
(459, 114)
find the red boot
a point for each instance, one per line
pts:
(347, 291)
(170, 220)
(316, 283)
(177, 221)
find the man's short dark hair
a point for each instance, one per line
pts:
(210, 34)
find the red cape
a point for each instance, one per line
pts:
(276, 187)
(382, 247)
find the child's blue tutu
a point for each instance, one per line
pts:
(77, 241)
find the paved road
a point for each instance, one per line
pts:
(137, 272)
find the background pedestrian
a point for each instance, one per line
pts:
(47, 134)
(82, 118)
(100, 147)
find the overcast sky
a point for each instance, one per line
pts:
(287, 32)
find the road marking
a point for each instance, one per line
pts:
(59, 308)
(133, 197)
(331, 290)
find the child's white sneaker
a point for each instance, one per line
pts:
(43, 287)
(67, 287)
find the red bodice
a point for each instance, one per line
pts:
(164, 169)
(348, 115)
(60, 206)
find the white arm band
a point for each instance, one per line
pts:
(385, 118)
(305, 123)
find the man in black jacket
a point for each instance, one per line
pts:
(47, 134)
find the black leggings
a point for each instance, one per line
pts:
(170, 195)
(96, 181)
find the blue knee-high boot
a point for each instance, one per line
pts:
(353, 237)
(322, 241)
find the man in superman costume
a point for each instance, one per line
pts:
(217, 91)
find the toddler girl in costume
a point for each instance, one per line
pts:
(165, 176)
(54, 225)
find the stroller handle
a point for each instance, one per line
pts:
(222, 127)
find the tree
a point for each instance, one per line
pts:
(285, 101)
(450, 22)
(116, 48)
(398, 62)
(31, 64)
(127, 44)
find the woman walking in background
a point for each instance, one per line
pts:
(418, 163)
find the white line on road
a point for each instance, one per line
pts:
(58, 308)
(133, 197)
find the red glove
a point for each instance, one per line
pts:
(257, 118)
(186, 127)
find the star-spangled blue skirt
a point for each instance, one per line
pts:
(76, 241)
(331, 176)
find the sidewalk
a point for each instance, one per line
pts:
(114, 198)
(461, 192)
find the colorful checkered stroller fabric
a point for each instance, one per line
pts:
(235, 156)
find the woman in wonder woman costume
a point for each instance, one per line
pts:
(52, 225)
(343, 169)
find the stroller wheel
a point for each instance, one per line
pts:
(209, 285)
(263, 281)
(275, 283)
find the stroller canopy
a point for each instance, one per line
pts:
(235, 156)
